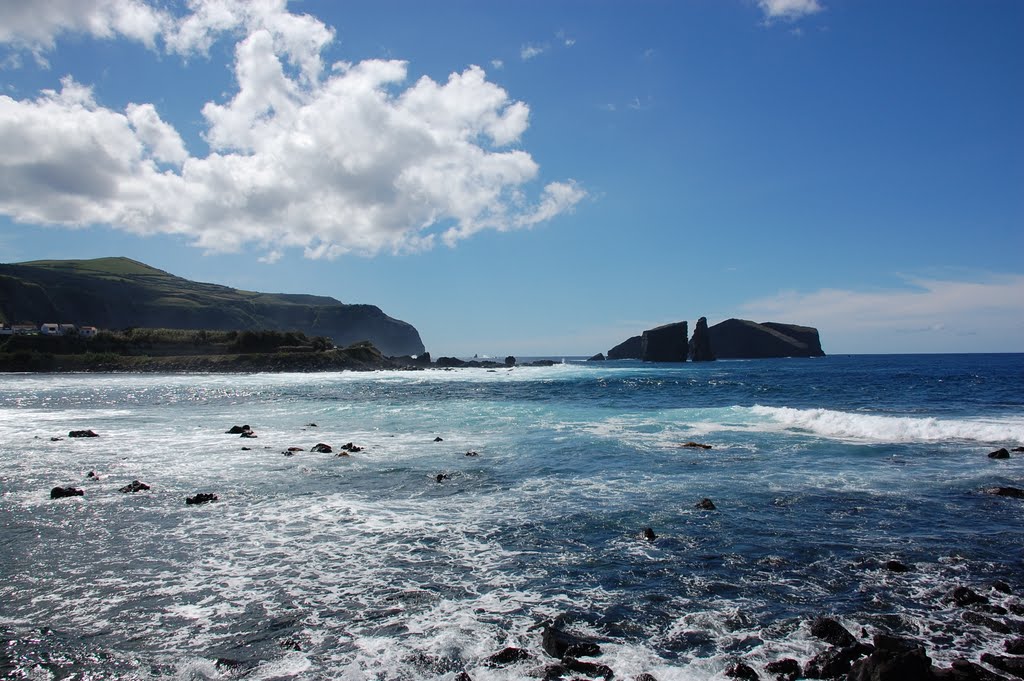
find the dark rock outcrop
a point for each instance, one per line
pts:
(627, 349)
(648, 534)
(695, 445)
(450, 362)
(321, 448)
(507, 656)
(1010, 665)
(61, 492)
(831, 631)
(706, 504)
(133, 487)
(238, 430)
(744, 339)
(559, 644)
(700, 349)
(599, 357)
(201, 498)
(893, 659)
(667, 343)
(897, 566)
(786, 669)
(83, 433)
(1002, 453)
(510, 361)
(964, 596)
(1014, 492)
(739, 670)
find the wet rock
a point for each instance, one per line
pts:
(893, 659)
(1002, 587)
(321, 448)
(510, 361)
(695, 445)
(834, 662)
(831, 631)
(740, 670)
(897, 566)
(706, 504)
(438, 439)
(786, 669)
(246, 449)
(589, 668)
(248, 434)
(1014, 492)
(133, 487)
(1010, 665)
(56, 439)
(92, 475)
(238, 430)
(999, 454)
(450, 362)
(507, 656)
(648, 534)
(599, 357)
(350, 447)
(463, 676)
(441, 477)
(964, 596)
(1017, 449)
(964, 670)
(1014, 646)
(559, 643)
(61, 492)
(296, 449)
(645, 677)
(201, 498)
(471, 454)
(980, 620)
(83, 433)
(312, 425)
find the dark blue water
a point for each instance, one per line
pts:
(366, 567)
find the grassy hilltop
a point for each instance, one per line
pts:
(116, 293)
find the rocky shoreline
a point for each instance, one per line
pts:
(871, 654)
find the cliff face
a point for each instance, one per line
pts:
(115, 293)
(666, 343)
(744, 339)
(627, 349)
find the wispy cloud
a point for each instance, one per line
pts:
(529, 51)
(927, 314)
(788, 9)
(497, 64)
(565, 39)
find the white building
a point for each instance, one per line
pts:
(49, 329)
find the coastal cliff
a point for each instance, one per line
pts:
(116, 293)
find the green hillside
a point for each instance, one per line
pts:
(115, 293)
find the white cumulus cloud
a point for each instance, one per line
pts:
(351, 159)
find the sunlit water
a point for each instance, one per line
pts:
(315, 566)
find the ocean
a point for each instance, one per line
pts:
(411, 559)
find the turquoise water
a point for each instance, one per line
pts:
(313, 566)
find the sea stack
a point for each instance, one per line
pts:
(700, 345)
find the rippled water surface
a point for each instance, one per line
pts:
(315, 566)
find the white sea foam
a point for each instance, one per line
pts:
(876, 428)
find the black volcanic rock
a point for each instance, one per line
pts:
(627, 349)
(744, 339)
(599, 357)
(667, 343)
(114, 293)
(700, 345)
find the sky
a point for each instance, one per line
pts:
(538, 177)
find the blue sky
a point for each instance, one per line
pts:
(539, 177)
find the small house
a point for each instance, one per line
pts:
(87, 332)
(49, 329)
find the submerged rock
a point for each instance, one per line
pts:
(706, 504)
(742, 671)
(999, 454)
(201, 498)
(648, 534)
(695, 445)
(61, 492)
(897, 566)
